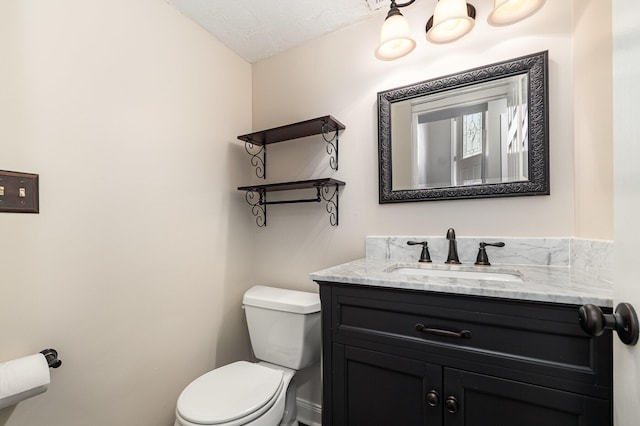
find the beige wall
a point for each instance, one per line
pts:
(339, 75)
(135, 267)
(129, 112)
(593, 115)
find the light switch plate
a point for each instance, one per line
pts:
(19, 192)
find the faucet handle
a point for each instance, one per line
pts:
(482, 258)
(425, 257)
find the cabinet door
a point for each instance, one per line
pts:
(476, 400)
(373, 388)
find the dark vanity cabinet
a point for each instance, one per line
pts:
(403, 358)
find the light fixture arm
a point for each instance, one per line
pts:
(393, 9)
(396, 5)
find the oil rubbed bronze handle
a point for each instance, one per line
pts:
(463, 334)
(451, 404)
(624, 321)
(432, 398)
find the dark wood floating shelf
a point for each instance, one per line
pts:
(327, 126)
(289, 186)
(256, 196)
(315, 126)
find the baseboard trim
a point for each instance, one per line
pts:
(309, 413)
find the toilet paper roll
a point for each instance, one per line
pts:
(23, 378)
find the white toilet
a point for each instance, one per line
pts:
(284, 327)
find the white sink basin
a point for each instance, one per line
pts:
(456, 273)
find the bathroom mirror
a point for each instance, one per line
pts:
(475, 134)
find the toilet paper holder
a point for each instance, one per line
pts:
(51, 355)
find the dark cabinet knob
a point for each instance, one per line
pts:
(592, 320)
(432, 398)
(624, 321)
(451, 404)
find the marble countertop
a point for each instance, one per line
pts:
(556, 284)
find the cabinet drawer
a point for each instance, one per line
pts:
(536, 339)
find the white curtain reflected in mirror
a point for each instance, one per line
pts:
(467, 136)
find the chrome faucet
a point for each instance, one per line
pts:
(452, 257)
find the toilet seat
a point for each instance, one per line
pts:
(232, 395)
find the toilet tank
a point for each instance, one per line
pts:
(284, 325)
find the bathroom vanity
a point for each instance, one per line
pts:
(413, 349)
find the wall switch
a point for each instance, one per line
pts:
(18, 192)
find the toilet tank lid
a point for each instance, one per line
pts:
(279, 299)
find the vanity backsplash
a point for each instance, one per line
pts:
(594, 256)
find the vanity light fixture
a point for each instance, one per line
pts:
(507, 12)
(395, 37)
(451, 20)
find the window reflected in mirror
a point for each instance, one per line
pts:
(471, 136)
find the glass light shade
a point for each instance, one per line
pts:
(507, 12)
(395, 39)
(451, 21)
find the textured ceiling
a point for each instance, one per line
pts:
(257, 29)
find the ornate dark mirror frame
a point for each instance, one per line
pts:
(536, 66)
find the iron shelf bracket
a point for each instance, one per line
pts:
(332, 148)
(326, 189)
(256, 142)
(258, 206)
(258, 159)
(332, 203)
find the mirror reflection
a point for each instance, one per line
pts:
(474, 134)
(467, 136)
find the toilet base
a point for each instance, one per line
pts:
(290, 417)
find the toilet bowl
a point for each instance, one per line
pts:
(284, 327)
(241, 393)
